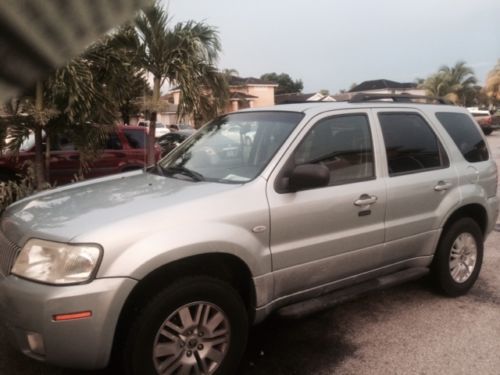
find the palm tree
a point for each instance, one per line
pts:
(228, 73)
(183, 54)
(114, 58)
(437, 85)
(461, 80)
(69, 98)
(455, 83)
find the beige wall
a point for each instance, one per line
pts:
(264, 98)
(264, 94)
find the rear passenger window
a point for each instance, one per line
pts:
(465, 134)
(411, 144)
(343, 144)
(136, 139)
(113, 142)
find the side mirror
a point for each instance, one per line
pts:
(308, 176)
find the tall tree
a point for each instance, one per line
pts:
(183, 54)
(116, 66)
(492, 86)
(230, 72)
(461, 80)
(286, 85)
(455, 83)
(70, 97)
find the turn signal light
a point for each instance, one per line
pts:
(72, 316)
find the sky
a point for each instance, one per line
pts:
(331, 44)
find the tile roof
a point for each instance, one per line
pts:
(241, 81)
(298, 97)
(237, 95)
(379, 84)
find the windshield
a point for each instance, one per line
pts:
(233, 148)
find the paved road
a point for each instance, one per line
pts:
(405, 330)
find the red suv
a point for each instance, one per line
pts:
(124, 151)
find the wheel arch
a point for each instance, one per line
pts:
(475, 211)
(222, 266)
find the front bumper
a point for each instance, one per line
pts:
(27, 310)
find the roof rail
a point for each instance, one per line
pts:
(397, 98)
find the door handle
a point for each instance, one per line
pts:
(365, 200)
(442, 186)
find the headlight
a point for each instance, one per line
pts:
(57, 263)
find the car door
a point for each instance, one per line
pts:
(326, 234)
(422, 187)
(64, 160)
(136, 142)
(110, 160)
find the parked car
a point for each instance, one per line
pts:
(171, 140)
(124, 151)
(483, 118)
(167, 268)
(185, 127)
(160, 127)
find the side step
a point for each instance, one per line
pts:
(326, 301)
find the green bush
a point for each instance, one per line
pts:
(12, 191)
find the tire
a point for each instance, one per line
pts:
(215, 302)
(487, 131)
(458, 258)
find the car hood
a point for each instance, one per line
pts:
(67, 212)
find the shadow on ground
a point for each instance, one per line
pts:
(295, 346)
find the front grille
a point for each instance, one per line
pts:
(8, 253)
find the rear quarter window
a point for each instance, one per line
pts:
(136, 138)
(465, 134)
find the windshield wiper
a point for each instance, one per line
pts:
(178, 169)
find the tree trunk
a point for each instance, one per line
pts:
(47, 157)
(152, 121)
(125, 110)
(39, 162)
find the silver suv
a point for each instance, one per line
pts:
(167, 268)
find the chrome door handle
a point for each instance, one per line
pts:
(442, 186)
(365, 200)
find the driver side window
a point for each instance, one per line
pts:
(343, 144)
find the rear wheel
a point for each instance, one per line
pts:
(458, 258)
(195, 326)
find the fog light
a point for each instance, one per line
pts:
(35, 342)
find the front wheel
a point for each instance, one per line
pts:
(458, 257)
(197, 325)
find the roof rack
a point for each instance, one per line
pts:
(397, 98)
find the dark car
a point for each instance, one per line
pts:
(170, 141)
(124, 151)
(177, 127)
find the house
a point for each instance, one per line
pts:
(250, 92)
(246, 92)
(300, 98)
(385, 86)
